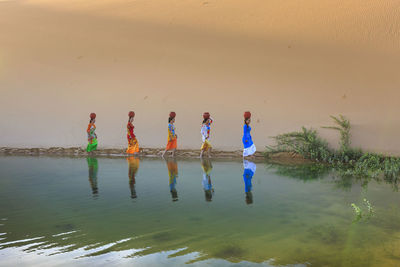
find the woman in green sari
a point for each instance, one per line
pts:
(92, 137)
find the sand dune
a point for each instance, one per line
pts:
(354, 22)
(291, 64)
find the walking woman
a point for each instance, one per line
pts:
(172, 137)
(133, 145)
(92, 137)
(249, 147)
(205, 134)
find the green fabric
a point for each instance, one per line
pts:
(93, 165)
(92, 146)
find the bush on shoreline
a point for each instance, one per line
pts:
(347, 160)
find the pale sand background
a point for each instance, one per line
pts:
(291, 63)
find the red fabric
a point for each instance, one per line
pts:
(131, 114)
(92, 116)
(206, 115)
(247, 115)
(172, 114)
(130, 135)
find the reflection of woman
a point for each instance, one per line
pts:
(172, 137)
(173, 174)
(133, 168)
(133, 145)
(249, 171)
(92, 137)
(93, 167)
(207, 185)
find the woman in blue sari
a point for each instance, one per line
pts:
(249, 147)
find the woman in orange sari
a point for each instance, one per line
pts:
(172, 137)
(133, 145)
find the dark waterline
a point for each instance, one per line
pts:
(63, 211)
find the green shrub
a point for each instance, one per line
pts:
(343, 126)
(347, 161)
(306, 143)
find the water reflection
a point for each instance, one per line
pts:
(296, 223)
(173, 175)
(207, 184)
(133, 163)
(342, 178)
(93, 168)
(248, 173)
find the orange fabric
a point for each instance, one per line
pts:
(90, 132)
(172, 168)
(133, 146)
(90, 126)
(172, 144)
(133, 167)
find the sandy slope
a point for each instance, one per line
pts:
(292, 63)
(371, 22)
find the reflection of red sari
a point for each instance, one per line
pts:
(133, 145)
(133, 168)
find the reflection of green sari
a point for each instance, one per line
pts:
(93, 167)
(92, 146)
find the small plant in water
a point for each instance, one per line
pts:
(357, 211)
(369, 207)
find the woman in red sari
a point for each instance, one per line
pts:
(133, 145)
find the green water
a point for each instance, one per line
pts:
(78, 211)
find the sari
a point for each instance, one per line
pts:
(92, 137)
(133, 144)
(172, 138)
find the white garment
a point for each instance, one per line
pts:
(249, 165)
(204, 132)
(205, 129)
(249, 151)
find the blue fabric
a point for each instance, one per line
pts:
(247, 140)
(171, 129)
(207, 185)
(172, 184)
(247, 176)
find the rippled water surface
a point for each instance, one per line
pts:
(100, 211)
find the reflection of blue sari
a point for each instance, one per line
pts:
(172, 184)
(249, 171)
(207, 185)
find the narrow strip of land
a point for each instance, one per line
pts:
(282, 157)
